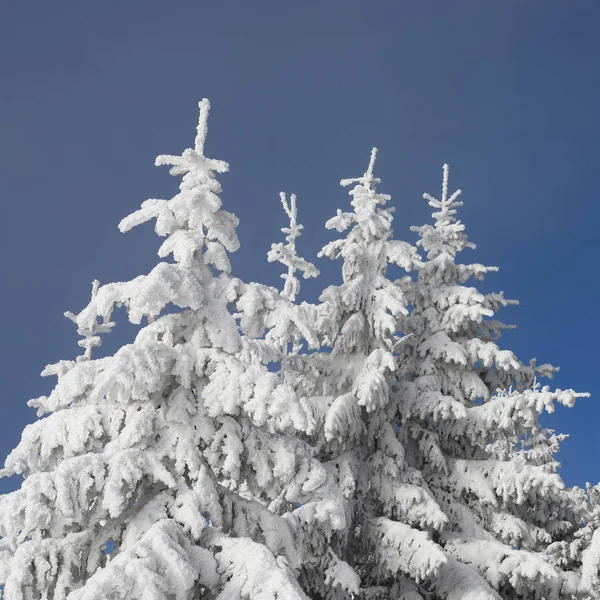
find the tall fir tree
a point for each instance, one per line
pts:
(160, 472)
(469, 421)
(386, 547)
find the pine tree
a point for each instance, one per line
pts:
(164, 471)
(469, 422)
(386, 548)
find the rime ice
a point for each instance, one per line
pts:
(377, 444)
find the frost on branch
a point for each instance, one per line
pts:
(251, 571)
(400, 548)
(91, 334)
(163, 563)
(286, 254)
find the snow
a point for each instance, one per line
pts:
(377, 443)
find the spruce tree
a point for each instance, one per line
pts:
(469, 422)
(164, 471)
(386, 547)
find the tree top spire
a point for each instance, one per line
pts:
(446, 205)
(367, 180)
(204, 106)
(287, 254)
(369, 173)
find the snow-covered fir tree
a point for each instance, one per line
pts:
(468, 421)
(376, 444)
(386, 548)
(164, 471)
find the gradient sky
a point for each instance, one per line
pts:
(506, 92)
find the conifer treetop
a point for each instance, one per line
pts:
(202, 129)
(447, 205)
(199, 235)
(446, 236)
(194, 157)
(367, 179)
(287, 255)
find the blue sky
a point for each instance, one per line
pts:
(506, 92)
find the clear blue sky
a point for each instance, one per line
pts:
(506, 92)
